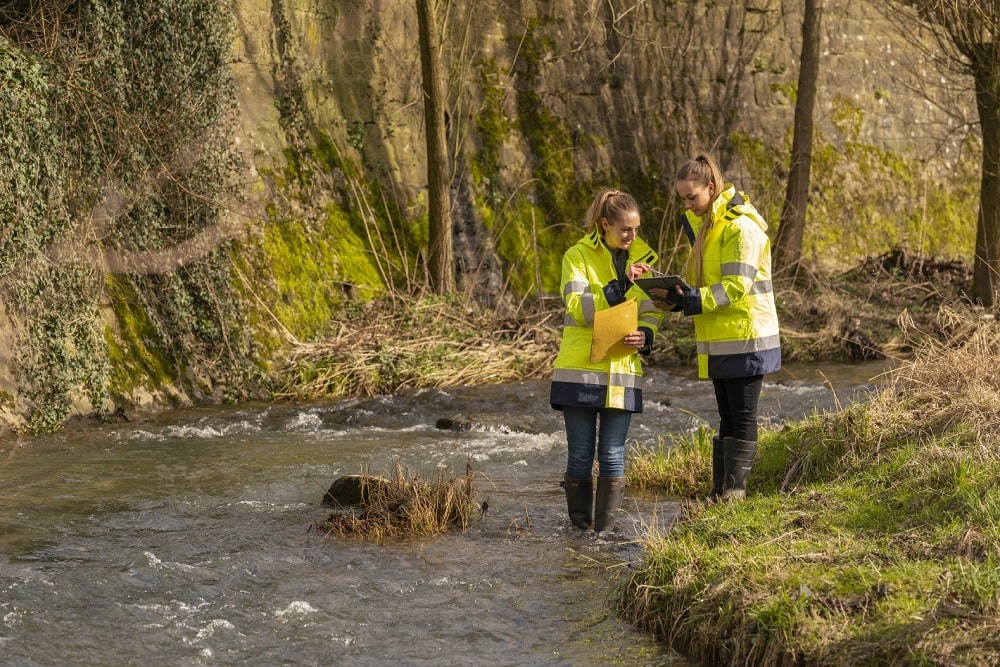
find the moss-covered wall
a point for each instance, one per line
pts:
(217, 180)
(551, 101)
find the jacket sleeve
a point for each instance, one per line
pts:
(743, 246)
(650, 320)
(575, 290)
(579, 296)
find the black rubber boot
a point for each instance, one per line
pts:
(718, 469)
(579, 501)
(738, 456)
(610, 491)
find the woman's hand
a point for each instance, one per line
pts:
(636, 339)
(665, 300)
(633, 271)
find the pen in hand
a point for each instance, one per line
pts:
(633, 271)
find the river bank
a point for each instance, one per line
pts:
(879, 309)
(870, 534)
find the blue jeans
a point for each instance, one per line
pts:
(584, 441)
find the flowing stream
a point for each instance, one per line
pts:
(187, 538)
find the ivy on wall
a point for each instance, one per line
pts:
(60, 348)
(118, 159)
(31, 174)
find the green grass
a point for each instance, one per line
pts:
(677, 464)
(869, 536)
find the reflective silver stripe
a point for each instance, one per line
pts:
(587, 303)
(722, 348)
(580, 377)
(651, 320)
(739, 269)
(759, 287)
(626, 380)
(587, 306)
(719, 294)
(595, 377)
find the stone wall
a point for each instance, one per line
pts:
(637, 85)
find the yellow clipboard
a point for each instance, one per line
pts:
(610, 327)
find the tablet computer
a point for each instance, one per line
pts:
(669, 283)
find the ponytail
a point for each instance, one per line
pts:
(610, 204)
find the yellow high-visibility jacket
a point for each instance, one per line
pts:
(590, 283)
(735, 321)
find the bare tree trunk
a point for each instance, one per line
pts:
(439, 259)
(986, 268)
(966, 33)
(788, 244)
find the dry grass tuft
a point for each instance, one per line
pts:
(398, 344)
(947, 394)
(404, 505)
(954, 376)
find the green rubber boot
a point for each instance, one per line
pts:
(610, 491)
(579, 501)
(738, 456)
(718, 469)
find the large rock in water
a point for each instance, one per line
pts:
(354, 490)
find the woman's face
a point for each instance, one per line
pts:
(696, 198)
(620, 233)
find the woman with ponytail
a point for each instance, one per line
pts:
(732, 303)
(598, 273)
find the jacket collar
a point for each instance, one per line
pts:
(639, 251)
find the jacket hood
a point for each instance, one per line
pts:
(731, 203)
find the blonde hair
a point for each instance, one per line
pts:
(704, 171)
(611, 204)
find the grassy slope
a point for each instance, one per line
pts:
(870, 536)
